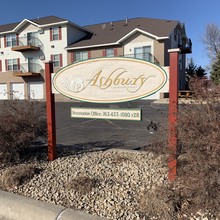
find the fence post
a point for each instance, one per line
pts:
(50, 104)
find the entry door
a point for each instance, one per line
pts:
(31, 38)
(3, 91)
(36, 90)
(33, 63)
(17, 90)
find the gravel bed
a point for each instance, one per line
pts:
(106, 183)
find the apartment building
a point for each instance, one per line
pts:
(24, 46)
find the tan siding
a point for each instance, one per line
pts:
(29, 28)
(167, 45)
(159, 52)
(96, 53)
(68, 58)
(99, 52)
(138, 38)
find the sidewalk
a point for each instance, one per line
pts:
(15, 207)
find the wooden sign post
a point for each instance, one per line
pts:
(173, 111)
(50, 104)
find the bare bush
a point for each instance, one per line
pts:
(22, 121)
(158, 204)
(83, 185)
(195, 192)
(18, 175)
(199, 151)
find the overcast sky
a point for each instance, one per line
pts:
(196, 14)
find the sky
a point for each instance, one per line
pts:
(195, 14)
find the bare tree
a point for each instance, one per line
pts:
(211, 39)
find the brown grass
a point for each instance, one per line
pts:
(83, 185)
(18, 175)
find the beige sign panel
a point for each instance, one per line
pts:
(111, 114)
(109, 80)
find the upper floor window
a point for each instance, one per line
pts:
(12, 64)
(57, 59)
(81, 55)
(11, 40)
(55, 33)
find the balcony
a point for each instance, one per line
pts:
(28, 69)
(28, 44)
(143, 56)
(185, 46)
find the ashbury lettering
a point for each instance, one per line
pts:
(116, 78)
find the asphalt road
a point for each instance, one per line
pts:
(104, 134)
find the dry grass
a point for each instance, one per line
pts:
(83, 185)
(17, 175)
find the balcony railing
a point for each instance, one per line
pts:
(185, 46)
(28, 43)
(28, 69)
(144, 56)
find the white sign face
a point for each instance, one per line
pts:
(109, 80)
(111, 114)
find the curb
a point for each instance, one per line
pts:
(15, 207)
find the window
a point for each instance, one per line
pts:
(82, 55)
(11, 40)
(55, 33)
(143, 53)
(110, 52)
(12, 64)
(57, 59)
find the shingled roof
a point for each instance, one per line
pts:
(38, 21)
(113, 32)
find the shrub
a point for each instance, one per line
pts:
(195, 192)
(22, 122)
(199, 149)
(18, 175)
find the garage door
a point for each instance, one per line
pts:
(36, 90)
(3, 91)
(17, 90)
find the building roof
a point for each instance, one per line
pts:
(117, 31)
(40, 22)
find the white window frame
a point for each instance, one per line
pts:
(81, 55)
(11, 40)
(56, 60)
(55, 33)
(12, 65)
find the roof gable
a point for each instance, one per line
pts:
(116, 32)
(39, 22)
